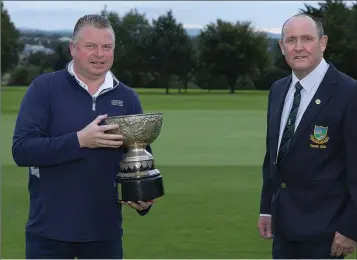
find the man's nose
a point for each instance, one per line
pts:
(100, 52)
(299, 45)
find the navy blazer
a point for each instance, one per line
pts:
(312, 193)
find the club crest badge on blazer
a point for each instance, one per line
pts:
(320, 135)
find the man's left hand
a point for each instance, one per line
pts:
(342, 245)
(140, 205)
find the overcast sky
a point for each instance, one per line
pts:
(53, 15)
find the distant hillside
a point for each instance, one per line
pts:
(38, 32)
(68, 33)
(193, 31)
(273, 35)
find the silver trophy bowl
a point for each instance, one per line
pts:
(138, 179)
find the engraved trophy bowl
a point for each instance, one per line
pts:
(138, 179)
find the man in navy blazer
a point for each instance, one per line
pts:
(309, 194)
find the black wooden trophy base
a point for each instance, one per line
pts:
(140, 189)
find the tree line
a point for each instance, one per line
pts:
(161, 54)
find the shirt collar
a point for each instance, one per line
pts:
(107, 84)
(313, 78)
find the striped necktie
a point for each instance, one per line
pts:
(290, 124)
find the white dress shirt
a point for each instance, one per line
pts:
(310, 85)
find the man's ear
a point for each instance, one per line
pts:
(323, 43)
(71, 47)
(281, 47)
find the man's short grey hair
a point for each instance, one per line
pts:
(95, 20)
(318, 25)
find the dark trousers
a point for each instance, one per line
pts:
(283, 249)
(38, 247)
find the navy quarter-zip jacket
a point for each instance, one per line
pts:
(73, 195)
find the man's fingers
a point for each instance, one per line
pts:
(346, 251)
(333, 248)
(99, 119)
(134, 205)
(145, 205)
(110, 136)
(264, 225)
(104, 128)
(268, 231)
(100, 142)
(109, 143)
(264, 231)
(339, 251)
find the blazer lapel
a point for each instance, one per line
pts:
(323, 94)
(276, 111)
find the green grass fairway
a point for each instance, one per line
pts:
(209, 152)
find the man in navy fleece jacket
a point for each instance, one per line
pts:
(72, 162)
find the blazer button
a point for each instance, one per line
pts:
(283, 185)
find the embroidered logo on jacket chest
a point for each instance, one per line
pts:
(319, 137)
(118, 103)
